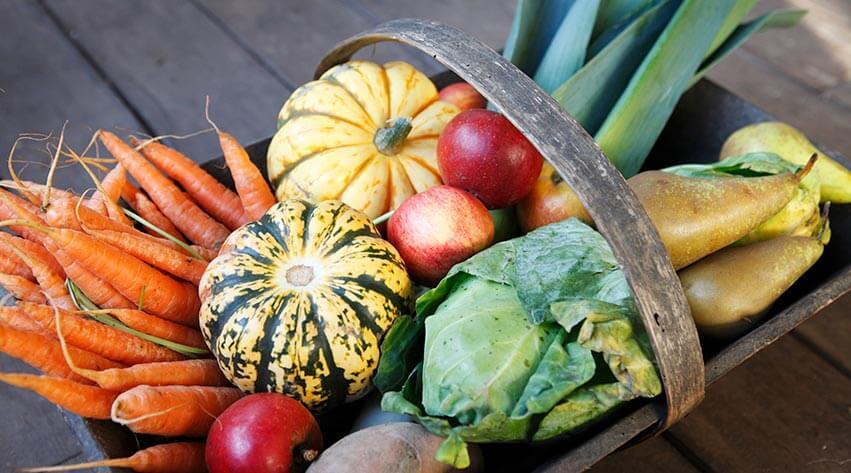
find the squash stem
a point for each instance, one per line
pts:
(390, 138)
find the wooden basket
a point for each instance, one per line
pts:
(619, 217)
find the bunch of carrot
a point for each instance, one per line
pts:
(107, 298)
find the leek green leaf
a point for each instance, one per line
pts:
(532, 30)
(566, 52)
(614, 12)
(637, 119)
(739, 11)
(590, 94)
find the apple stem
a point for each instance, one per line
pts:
(383, 218)
(309, 455)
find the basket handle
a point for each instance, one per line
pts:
(599, 185)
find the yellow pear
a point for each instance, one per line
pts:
(791, 145)
(731, 290)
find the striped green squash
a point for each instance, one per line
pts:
(299, 301)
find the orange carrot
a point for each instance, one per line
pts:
(193, 222)
(45, 353)
(219, 201)
(81, 399)
(96, 289)
(52, 283)
(23, 289)
(30, 247)
(98, 338)
(165, 258)
(12, 207)
(178, 457)
(149, 211)
(172, 410)
(12, 265)
(168, 298)
(17, 319)
(65, 213)
(37, 189)
(173, 373)
(113, 183)
(153, 325)
(253, 191)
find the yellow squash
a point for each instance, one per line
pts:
(363, 133)
(299, 301)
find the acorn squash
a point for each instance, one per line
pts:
(299, 301)
(363, 133)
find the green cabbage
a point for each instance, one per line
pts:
(530, 339)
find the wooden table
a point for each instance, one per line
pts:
(146, 67)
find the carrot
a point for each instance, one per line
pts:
(193, 222)
(30, 247)
(219, 201)
(168, 298)
(67, 214)
(112, 184)
(81, 399)
(45, 353)
(12, 265)
(172, 410)
(23, 289)
(172, 373)
(36, 189)
(98, 338)
(253, 191)
(178, 457)
(12, 207)
(157, 255)
(153, 325)
(99, 291)
(52, 283)
(17, 319)
(149, 211)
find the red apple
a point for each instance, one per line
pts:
(263, 433)
(436, 229)
(481, 152)
(463, 96)
(551, 200)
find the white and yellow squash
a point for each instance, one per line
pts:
(363, 133)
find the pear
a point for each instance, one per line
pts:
(791, 145)
(731, 290)
(696, 217)
(800, 217)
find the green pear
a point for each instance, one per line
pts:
(793, 146)
(696, 217)
(731, 290)
(800, 217)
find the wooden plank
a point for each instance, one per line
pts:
(652, 456)
(839, 95)
(748, 76)
(827, 333)
(785, 410)
(292, 37)
(486, 20)
(34, 432)
(817, 52)
(165, 57)
(45, 81)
